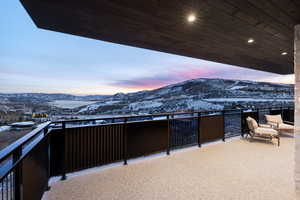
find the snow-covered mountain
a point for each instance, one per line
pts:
(196, 94)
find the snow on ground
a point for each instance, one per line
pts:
(163, 91)
(93, 107)
(144, 104)
(89, 108)
(198, 105)
(245, 99)
(267, 88)
(28, 123)
(237, 87)
(69, 104)
(159, 117)
(4, 128)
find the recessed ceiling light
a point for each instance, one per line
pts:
(250, 41)
(191, 18)
(284, 53)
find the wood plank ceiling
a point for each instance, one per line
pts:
(220, 32)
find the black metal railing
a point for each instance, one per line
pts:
(61, 147)
(20, 168)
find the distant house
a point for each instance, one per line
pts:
(40, 115)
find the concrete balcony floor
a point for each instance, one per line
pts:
(233, 170)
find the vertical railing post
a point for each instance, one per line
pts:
(257, 111)
(125, 141)
(17, 174)
(168, 135)
(293, 114)
(63, 177)
(291, 110)
(242, 128)
(198, 128)
(48, 153)
(223, 115)
(288, 114)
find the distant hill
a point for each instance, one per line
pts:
(49, 97)
(196, 94)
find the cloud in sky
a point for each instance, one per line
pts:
(204, 70)
(163, 78)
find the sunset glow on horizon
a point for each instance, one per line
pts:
(40, 61)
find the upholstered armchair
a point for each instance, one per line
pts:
(262, 130)
(278, 124)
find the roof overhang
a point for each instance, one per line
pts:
(219, 33)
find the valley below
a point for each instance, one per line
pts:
(192, 95)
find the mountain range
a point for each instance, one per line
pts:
(196, 94)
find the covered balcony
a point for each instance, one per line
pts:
(82, 159)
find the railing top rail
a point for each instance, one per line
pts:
(143, 121)
(132, 116)
(7, 151)
(163, 114)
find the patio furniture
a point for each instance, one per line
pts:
(278, 124)
(264, 131)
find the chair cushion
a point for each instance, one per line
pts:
(252, 124)
(265, 132)
(286, 126)
(274, 119)
(273, 124)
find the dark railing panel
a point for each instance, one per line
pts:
(288, 115)
(253, 114)
(183, 132)
(232, 123)
(275, 112)
(262, 113)
(56, 152)
(35, 172)
(292, 115)
(211, 128)
(144, 138)
(93, 146)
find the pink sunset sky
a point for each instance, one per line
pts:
(204, 69)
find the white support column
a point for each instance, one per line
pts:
(297, 105)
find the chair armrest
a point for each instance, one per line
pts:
(265, 125)
(287, 122)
